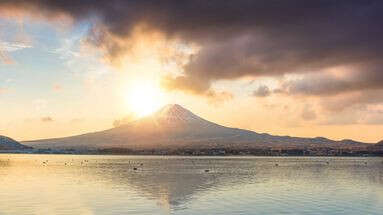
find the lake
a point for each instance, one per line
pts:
(96, 184)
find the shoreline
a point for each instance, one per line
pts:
(179, 155)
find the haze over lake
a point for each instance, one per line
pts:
(75, 184)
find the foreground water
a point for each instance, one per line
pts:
(74, 184)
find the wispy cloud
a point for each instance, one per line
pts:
(13, 46)
(6, 47)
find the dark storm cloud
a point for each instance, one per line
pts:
(245, 37)
(324, 84)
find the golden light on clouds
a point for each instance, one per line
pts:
(147, 57)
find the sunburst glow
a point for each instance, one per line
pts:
(144, 98)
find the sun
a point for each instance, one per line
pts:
(143, 99)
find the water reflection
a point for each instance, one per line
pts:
(44, 184)
(4, 163)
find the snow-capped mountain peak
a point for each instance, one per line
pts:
(174, 113)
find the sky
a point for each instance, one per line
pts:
(298, 68)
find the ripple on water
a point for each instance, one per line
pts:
(68, 184)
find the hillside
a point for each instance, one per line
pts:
(7, 143)
(174, 127)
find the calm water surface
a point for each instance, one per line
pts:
(73, 184)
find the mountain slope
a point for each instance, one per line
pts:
(176, 127)
(7, 143)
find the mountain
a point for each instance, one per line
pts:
(379, 143)
(174, 127)
(7, 143)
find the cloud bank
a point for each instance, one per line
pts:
(239, 38)
(335, 46)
